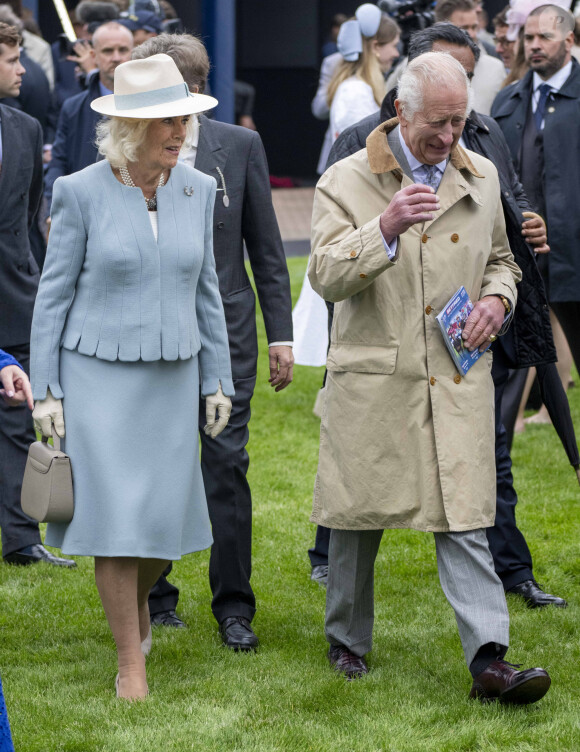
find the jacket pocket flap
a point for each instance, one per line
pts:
(362, 358)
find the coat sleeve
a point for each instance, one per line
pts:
(64, 260)
(7, 360)
(59, 162)
(319, 105)
(264, 245)
(345, 259)
(35, 193)
(505, 158)
(214, 355)
(501, 272)
(352, 139)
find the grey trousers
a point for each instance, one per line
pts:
(467, 577)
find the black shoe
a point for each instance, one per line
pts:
(319, 574)
(237, 633)
(350, 665)
(167, 619)
(502, 681)
(535, 597)
(35, 553)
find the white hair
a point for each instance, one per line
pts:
(436, 70)
(120, 139)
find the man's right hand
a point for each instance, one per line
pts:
(409, 206)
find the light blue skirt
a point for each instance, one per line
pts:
(132, 436)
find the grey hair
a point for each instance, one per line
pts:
(436, 70)
(120, 139)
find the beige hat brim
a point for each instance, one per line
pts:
(191, 105)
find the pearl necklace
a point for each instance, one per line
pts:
(128, 180)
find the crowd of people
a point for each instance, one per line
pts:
(435, 175)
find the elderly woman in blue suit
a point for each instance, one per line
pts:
(128, 327)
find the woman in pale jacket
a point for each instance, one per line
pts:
(368, 45)
(128, 327)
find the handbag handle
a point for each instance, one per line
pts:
(55, 440)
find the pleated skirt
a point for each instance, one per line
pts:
(132, 436)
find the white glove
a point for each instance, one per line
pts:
(223, 405)
(46, 413)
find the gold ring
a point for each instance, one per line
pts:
(492, 337)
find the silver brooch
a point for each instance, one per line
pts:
(188, 190)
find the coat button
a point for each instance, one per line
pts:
(425, 238)
(457, 378)
(220, 225)
(428, 310)
(432, 380)
(352, 254)
(362, 276)
(17, 233)
(454, 238)
(19, 267)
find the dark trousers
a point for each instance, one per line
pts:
(224, 464)
(510, 402)
(16, 435)
(511, 556)
(319, 554)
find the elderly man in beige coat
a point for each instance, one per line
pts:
(406, 441)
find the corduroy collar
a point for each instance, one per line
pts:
(381, 157)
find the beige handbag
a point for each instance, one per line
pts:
(47, 489)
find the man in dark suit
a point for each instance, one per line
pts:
(539, 119)
(74, 144)
(527, 342)
(21, 189)
(235, 157)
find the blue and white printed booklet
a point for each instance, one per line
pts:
(451, 321)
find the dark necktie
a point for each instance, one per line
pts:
(540, 112)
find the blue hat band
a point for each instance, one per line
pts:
(151, 98)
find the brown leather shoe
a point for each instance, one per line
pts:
(347, 663)
(503, 682)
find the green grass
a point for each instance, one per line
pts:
(58, 662)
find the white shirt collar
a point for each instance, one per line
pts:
(414, 163)
(557, 80)
(195, 137)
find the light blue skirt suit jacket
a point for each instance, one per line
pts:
(126, 330)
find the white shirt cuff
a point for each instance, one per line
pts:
(390, 248)
(279, 344)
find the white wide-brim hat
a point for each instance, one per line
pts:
(151, 88)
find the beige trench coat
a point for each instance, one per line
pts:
(405, 441)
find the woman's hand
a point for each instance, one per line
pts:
(16, 386)
(46, 413)
(223, 405)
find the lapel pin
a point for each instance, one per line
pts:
(225, 197)
(188, 190)
(551, 109)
